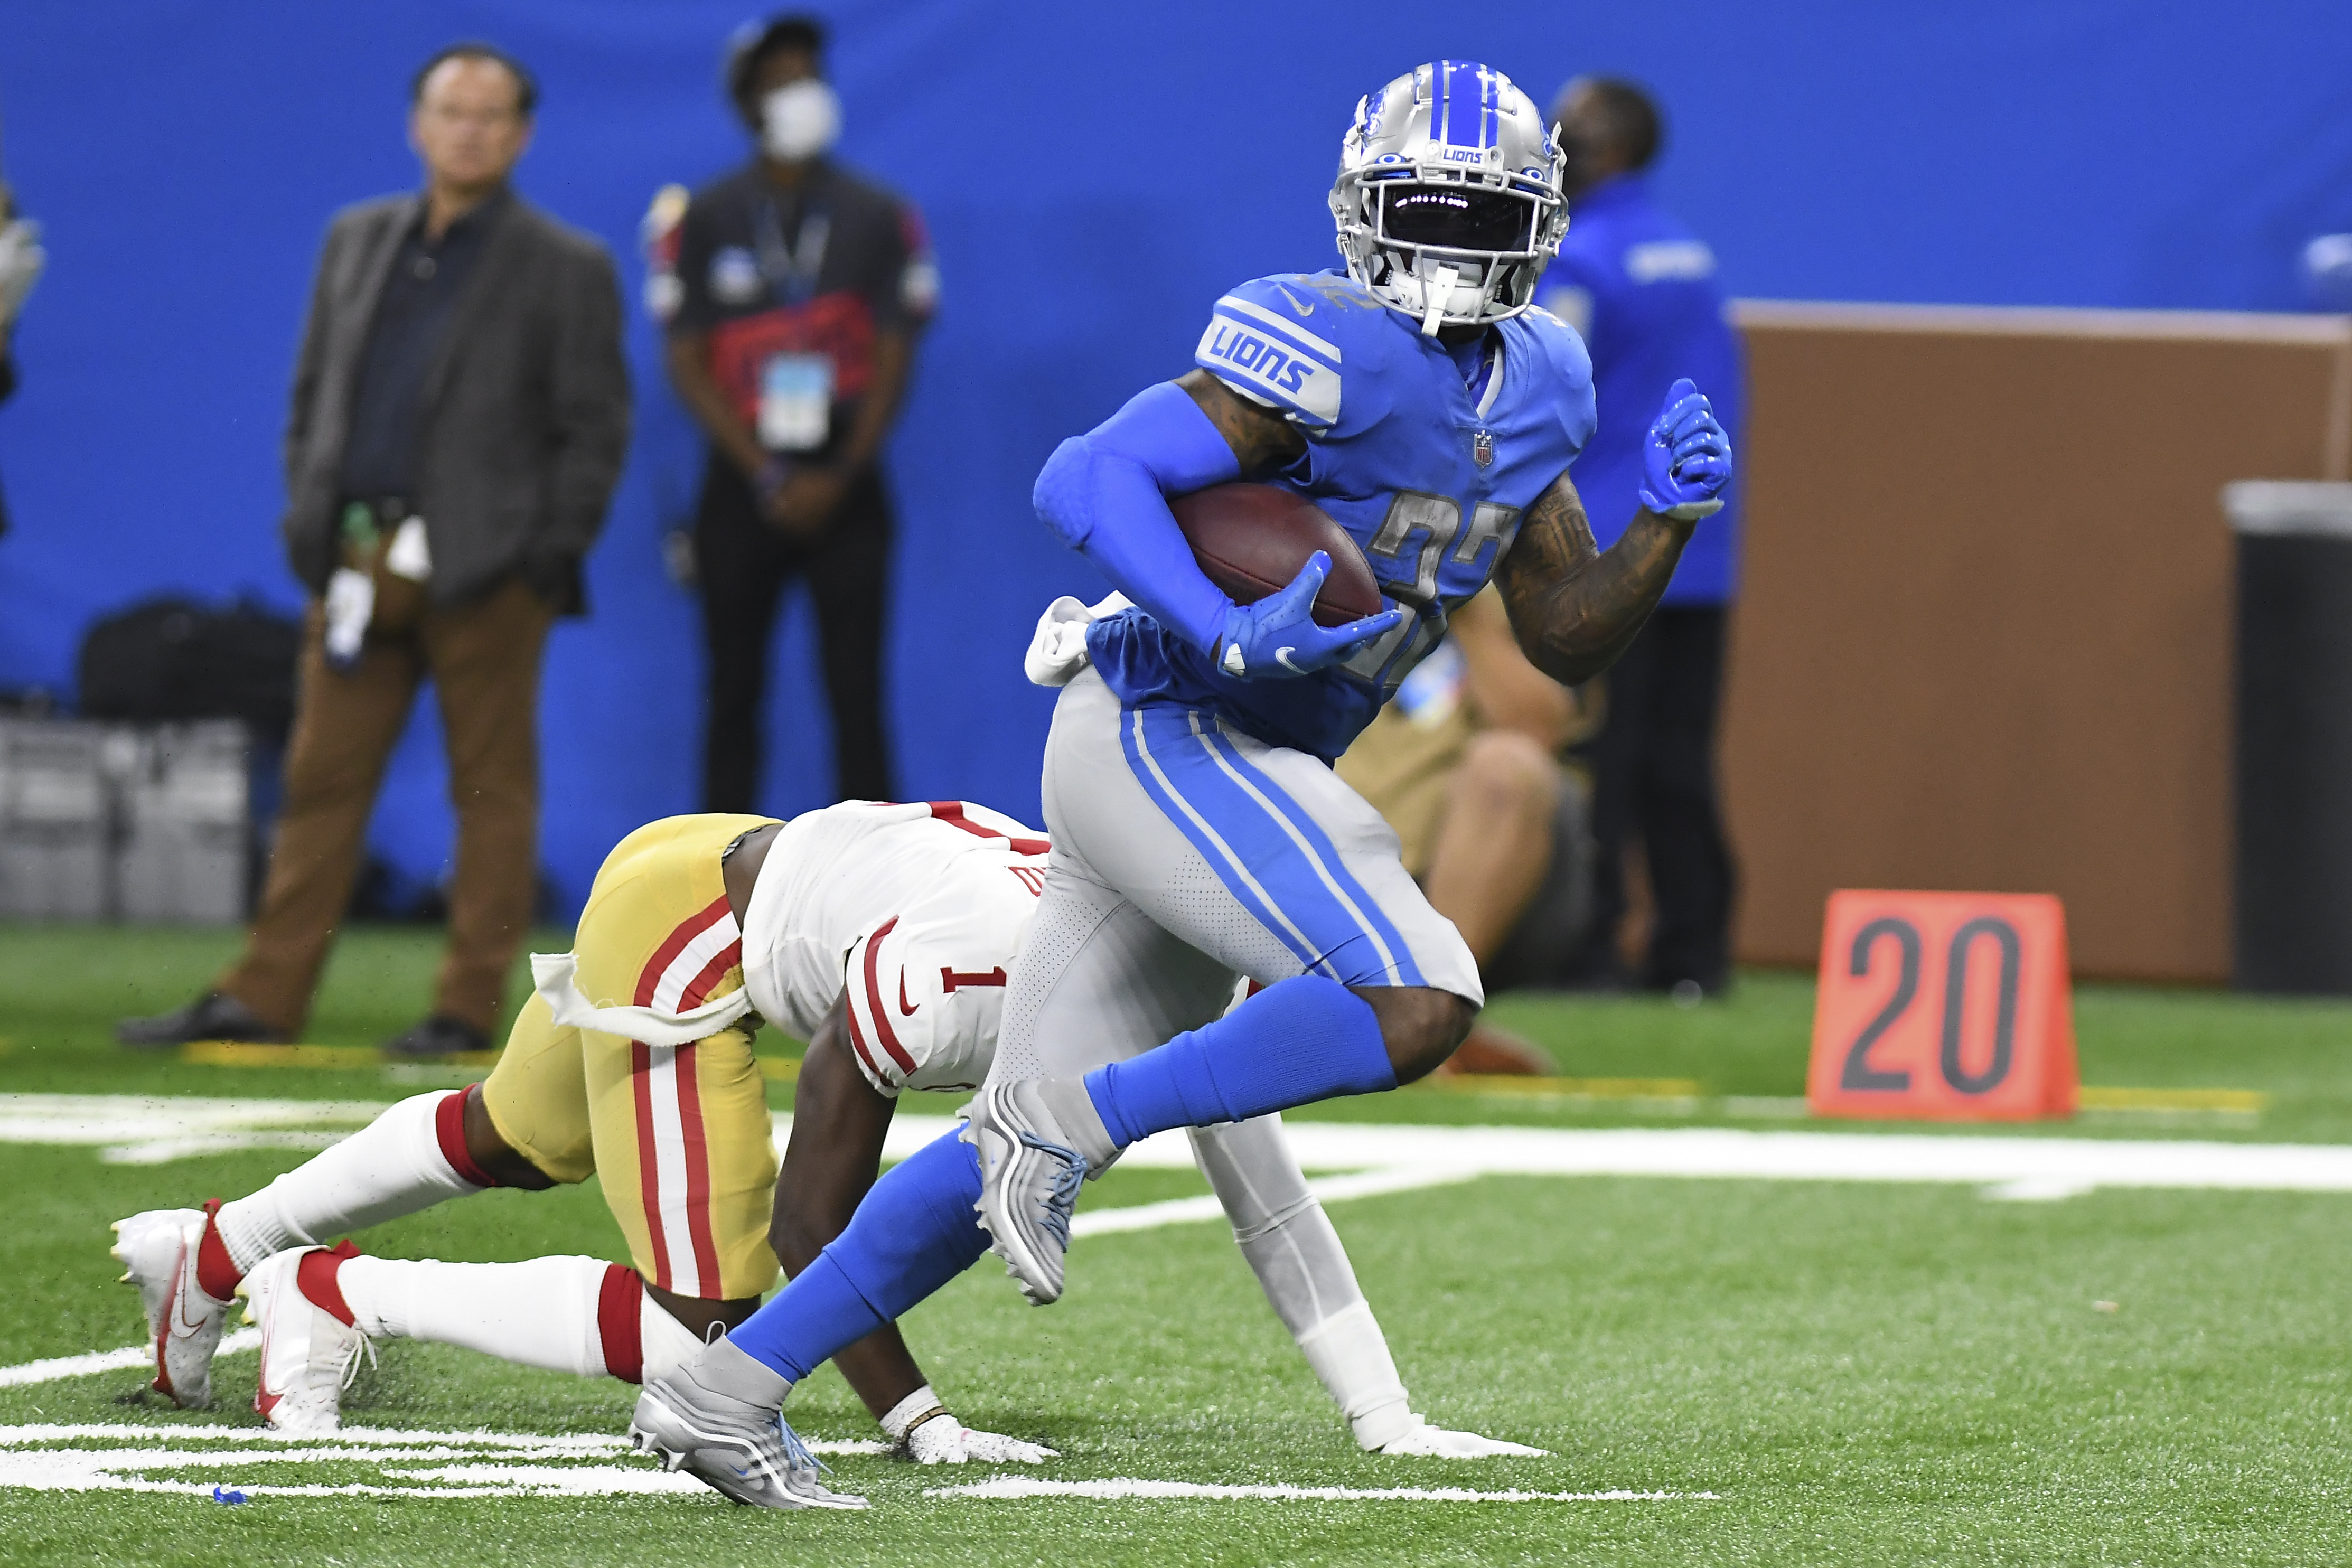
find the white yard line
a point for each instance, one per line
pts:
(58, 1368)
(1726, 1154)
(481, 1463)
(1120, 1488)
(136, 1128)
(43, 1458)
(1329, 1189)
(400, 1442)
(140, 1129)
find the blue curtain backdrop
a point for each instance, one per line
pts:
(1093, 176)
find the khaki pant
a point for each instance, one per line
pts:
(483, 661)
(679, 1136)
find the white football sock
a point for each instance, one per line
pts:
(539, 1314)
(1305, 1272)
(391, 1166)
(664, 1342)
(550, 1313)
(1350, 1354)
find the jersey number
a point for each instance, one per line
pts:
(1437, 520)
(950, 980)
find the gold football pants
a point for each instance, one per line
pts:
(680, 1135)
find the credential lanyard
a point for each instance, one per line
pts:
(794, 268)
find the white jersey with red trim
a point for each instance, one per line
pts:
(917, 910)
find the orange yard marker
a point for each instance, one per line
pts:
(1943, 1006)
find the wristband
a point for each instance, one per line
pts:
(911, 1412)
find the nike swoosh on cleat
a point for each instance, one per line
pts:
(181, 1327)
(1292, 300)
(1282, 656)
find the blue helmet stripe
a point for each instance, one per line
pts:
(1456, 121)
(1465, 107)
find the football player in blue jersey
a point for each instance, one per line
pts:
(1198, 831)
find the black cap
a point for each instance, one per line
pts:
(754, 42)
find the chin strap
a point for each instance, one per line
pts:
(1435, 291)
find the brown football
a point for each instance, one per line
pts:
(1251, 540)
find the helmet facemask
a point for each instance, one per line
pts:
(1452, 234)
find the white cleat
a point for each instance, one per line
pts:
(157, 1251)
(309, 1356)
(1424, 1441)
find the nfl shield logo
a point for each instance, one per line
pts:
(1482, 449)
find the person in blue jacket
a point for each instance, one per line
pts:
(1640, 287)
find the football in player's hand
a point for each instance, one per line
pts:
(1252, 539)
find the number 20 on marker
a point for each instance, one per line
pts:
(1943, 1006)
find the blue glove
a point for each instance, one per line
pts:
(1686, 458)
(1278, 637)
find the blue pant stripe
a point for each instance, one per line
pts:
(1368, 911)
(1153, 768)
(1261, 851)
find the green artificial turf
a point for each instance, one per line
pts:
(1861, 1373)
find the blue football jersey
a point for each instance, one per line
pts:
(1429, 472)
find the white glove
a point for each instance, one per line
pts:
(944, 1440)
(927, 1434)
(1426, 1441)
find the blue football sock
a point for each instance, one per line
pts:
(1295, 1042)
(914, 1232)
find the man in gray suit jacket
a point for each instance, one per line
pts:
(460, 413)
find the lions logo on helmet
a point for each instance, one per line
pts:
(1448, 200)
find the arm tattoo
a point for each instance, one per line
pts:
(1262, 439)
(1574, 607)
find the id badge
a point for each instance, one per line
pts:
(795, 402)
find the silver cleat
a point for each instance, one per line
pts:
(1030, 1168)
(719, 1418)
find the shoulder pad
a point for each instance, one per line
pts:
(1567, 365)
(1295, 342)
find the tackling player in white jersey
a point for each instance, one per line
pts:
(884, 935)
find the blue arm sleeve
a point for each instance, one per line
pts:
(1105, 494)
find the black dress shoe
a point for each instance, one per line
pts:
(215, 1015)
(439, 1035)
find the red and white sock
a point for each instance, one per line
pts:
(410, 1159)
(580, 1315)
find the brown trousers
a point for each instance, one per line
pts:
(484, 662)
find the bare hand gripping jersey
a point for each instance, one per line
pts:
(1427, 456)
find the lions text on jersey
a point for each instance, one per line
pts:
(1428, 456)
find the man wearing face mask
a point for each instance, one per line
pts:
(799, 290)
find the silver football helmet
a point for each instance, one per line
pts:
(1448, 199)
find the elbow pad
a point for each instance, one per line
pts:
(1106, 494)
(1158, 444)
(1070, 489)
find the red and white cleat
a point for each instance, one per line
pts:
(157, 1251)
(309, 1356)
